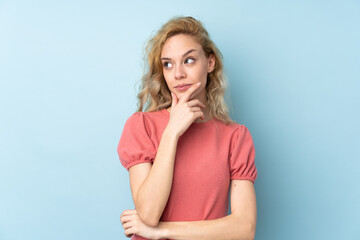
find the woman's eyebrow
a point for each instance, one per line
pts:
(191, 50)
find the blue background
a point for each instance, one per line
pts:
(69, 74)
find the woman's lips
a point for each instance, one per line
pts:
(183, 88)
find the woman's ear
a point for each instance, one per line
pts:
(211, 63)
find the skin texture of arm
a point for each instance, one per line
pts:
(151, 184)
(240, 224)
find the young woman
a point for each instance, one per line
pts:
(184, 153)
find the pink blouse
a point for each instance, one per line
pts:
(208, 156)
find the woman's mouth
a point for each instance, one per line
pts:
(183, 88)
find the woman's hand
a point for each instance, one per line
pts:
(133, 225)
(184, 112)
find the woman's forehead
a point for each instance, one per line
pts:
(178, 45)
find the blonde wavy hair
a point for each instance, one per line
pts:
(154, 93)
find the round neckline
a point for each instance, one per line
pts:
(194, 124)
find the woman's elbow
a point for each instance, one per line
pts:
(246, 232)
(151, 221)
(149, 218)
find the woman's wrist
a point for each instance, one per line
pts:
(169, 134)
(161, 231)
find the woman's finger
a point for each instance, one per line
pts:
(127, 225)
(128, 212)
(196, 102)
(195, 109)
(129, 232)
(189, 92)
(126, 218)
(128, 236)
(199, 115)
(174, 100)
(198, 111)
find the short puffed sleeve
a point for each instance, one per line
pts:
(135, 145)
(242, 155)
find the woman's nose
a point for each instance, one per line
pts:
(179, 72)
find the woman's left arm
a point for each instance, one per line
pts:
(240, 224)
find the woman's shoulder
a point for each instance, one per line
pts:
(232, 130)
(146, 118)
(232, 126)
(149, 114)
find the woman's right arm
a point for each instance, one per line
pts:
(151, 184)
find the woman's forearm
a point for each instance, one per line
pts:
(226, 228)
(153, 194)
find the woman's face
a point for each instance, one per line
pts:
(184, 62)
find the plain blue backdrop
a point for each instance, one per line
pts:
(69, 73)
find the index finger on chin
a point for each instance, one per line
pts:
(188, 92)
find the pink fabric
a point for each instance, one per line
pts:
(208, 156)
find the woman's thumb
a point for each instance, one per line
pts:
(174, 99)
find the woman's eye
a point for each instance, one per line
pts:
(167, 64)
(190, 60)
